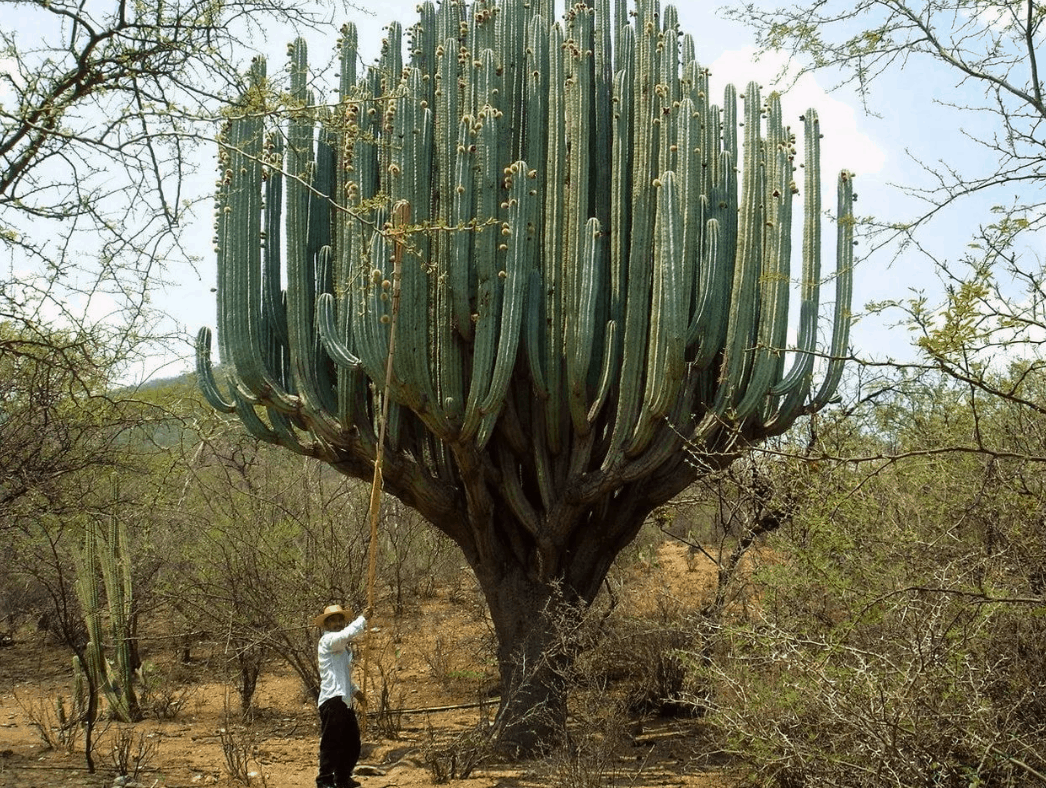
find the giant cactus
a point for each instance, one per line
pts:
(584, 287)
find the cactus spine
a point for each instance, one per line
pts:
(586, 286)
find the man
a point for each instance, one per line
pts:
(339, 729)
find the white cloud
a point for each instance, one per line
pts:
(843, 146)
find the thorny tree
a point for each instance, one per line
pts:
(103, 107)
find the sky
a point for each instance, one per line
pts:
(878, 146)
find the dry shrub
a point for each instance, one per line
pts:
(385, 701)
(130, 753)
(927, 688)
(456, 757)
(58, 725)
(638, 657)
(588, 756)
(463, 658)
(162, 692)
(621, 668)
(239, 742)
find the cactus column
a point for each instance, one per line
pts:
(586, 286)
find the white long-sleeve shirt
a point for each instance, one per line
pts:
(335, 661)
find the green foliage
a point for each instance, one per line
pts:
(899, 627)
(56, 417)
(263, 542)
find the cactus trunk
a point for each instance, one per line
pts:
(589, 298)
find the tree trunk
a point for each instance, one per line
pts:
(527, 614)
(535, 599)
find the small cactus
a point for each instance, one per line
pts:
(106, 554)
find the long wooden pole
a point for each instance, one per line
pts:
(400, 219)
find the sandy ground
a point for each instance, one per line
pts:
(427, 665)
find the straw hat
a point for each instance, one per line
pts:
(330, 610)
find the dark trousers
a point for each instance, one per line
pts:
(339, 744)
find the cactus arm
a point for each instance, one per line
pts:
(621, 28)
(243, 332)
(348, 47)
(708, 320)
(667, 91)
(326, 325)
(423, 43)
(368, 308)
(390, 65)
(205, 374)
(535, 139)
(254, 424)
(512, 22)
(743, 314)
(300, 252)
(607, 372)
(282, 433)
(725, 207)
(449, 363)
(773, 280)
(534, 326)
(448, 22)
(843, 293)
(635, 139)
(448, 353)
(602, 148)
(796, 386)
(459, 273)
(687, 50)
(410, 194)
(796, 383)
(487, 287)
(553, 251)
(688, 172)
(579, 350)
(274, 310)
(515, 275)
(665, 360)
(582, 250)
(578, 88)
(447, 121)
(620, 193)
(515, 497)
